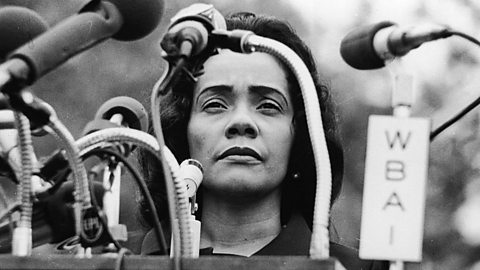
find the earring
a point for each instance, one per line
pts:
(296, 176)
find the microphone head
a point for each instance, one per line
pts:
(357, 48)
(140, 17)
(204, 13)
(193, 23)
(191, 171)
(18, 25)
(133, 112)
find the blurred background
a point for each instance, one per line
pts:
(447, 78)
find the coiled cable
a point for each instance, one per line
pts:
(319, 245)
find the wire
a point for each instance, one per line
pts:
(172, 196)
(467, 109)
(465, 36)
(143, 188)
(9, 211)
(462, 113)
(173, 76)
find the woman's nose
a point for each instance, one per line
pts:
(241, 124)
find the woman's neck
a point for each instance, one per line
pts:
(240, 228)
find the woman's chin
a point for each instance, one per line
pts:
(240, 185)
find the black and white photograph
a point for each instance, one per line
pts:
(248, 134)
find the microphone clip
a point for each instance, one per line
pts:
(37, 111)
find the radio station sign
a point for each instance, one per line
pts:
(394, 190)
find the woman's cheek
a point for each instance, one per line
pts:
(197, 142)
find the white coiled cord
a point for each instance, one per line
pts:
(319, 245)
(81, 192)
(22, 234)
(178, 231)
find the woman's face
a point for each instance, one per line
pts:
(241, 127)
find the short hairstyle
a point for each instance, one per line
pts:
(298, 193)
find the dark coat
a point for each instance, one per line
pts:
(294, 239)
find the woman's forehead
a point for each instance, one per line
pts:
(228, 57)
(231, 68)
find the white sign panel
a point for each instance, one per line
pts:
(394, 189)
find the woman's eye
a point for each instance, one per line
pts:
(214, 105)
(269, 107)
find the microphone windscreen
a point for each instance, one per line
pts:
(357, 48)
(140, 17)
(18, 25)
(133, 112)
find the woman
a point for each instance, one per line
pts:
(244, 120)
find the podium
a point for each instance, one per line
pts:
(68, 262)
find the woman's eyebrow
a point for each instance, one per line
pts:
(215, 89)
(264, 90)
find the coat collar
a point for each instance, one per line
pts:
(293, 239)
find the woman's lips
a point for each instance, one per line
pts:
(241, 153)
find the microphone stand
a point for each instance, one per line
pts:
(396, 166)
(402, 100)
(402, 93)
(42, 115)
(111, 200)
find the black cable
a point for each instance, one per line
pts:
(467, 109)
(143, 188)
(173, 75)
(452, 120)
(465, 36)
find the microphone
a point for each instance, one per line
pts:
(98, 20)
(191, 171)
(129, 110)
(119, 111)
(18, 25)
(140, 18)
(369, 46)
(190, 28)
(52, 219)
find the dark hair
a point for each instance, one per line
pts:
(297, 194)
